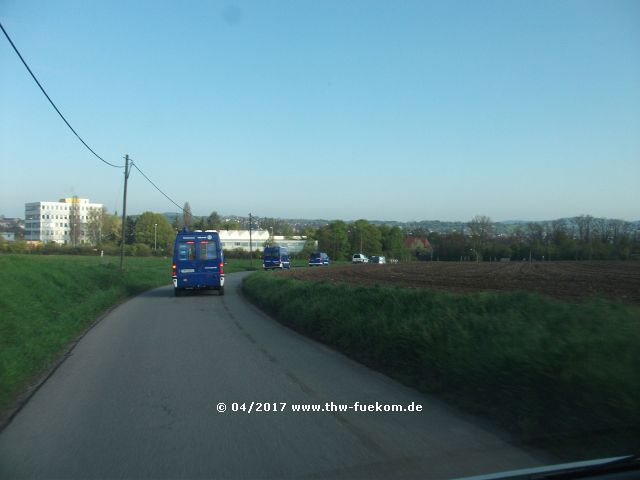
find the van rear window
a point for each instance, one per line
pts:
(207, 251)
(186, 251)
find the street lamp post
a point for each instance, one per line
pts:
(155, 237)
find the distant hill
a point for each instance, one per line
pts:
(439, 226)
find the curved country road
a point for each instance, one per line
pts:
(138, 396)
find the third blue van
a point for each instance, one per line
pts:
(318, 259)
(276, 257)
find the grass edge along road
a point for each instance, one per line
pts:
(47, 301)
(558, 375)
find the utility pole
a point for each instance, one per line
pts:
(250, 243)
(124, 209)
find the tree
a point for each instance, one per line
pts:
(154, 230)
(392, 241)
(287, 230)
(187, 216)
(268, 242)
(451, 246)
(309, 247)
(365, 237)
(536, 238)
(481, 228)
(75, 223)
(277, 226)
(584, 224)
(129, 231)
(95, 225)
(231, 225)
(333, 239)
(213, 221)
(200, 223)
(111, 226)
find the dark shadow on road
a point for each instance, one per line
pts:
(164, 292)
(159, 292)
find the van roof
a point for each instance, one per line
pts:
(198, 234)
(191, 232)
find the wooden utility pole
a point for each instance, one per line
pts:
(124, 210)
(250, 243)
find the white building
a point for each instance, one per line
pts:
(50, 221)
(232, 239)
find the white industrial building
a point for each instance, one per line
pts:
(50, 221)
(233, 239)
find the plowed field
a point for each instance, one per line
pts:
(565, 280)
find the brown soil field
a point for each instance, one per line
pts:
(564, 280)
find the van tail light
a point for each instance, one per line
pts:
(173, 270)
(221, 267)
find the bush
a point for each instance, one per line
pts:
(142, 250)
(239, 253)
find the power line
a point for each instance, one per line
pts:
(53, 104)
(155, 186)
(74, 132)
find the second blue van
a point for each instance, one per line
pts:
(318, 259)
(276, 257)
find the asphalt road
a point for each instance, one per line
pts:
(138, 398)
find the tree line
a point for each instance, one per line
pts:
(579, 238)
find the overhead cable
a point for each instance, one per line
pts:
(155, 186)
(53, 104)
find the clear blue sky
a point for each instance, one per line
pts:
(396, 110)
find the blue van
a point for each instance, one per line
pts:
(318, 259)
(276, 257)
(198, 262)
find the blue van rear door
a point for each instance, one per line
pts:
(208, 262)
(186, 253)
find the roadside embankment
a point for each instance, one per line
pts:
(47, 301)
(559, 375)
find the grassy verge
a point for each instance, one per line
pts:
(559, 376)
(46, 301)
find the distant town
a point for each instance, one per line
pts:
(76, 222)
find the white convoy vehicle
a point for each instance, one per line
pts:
(359, 258)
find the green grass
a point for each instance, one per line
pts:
(558, 375)
(46, 301)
